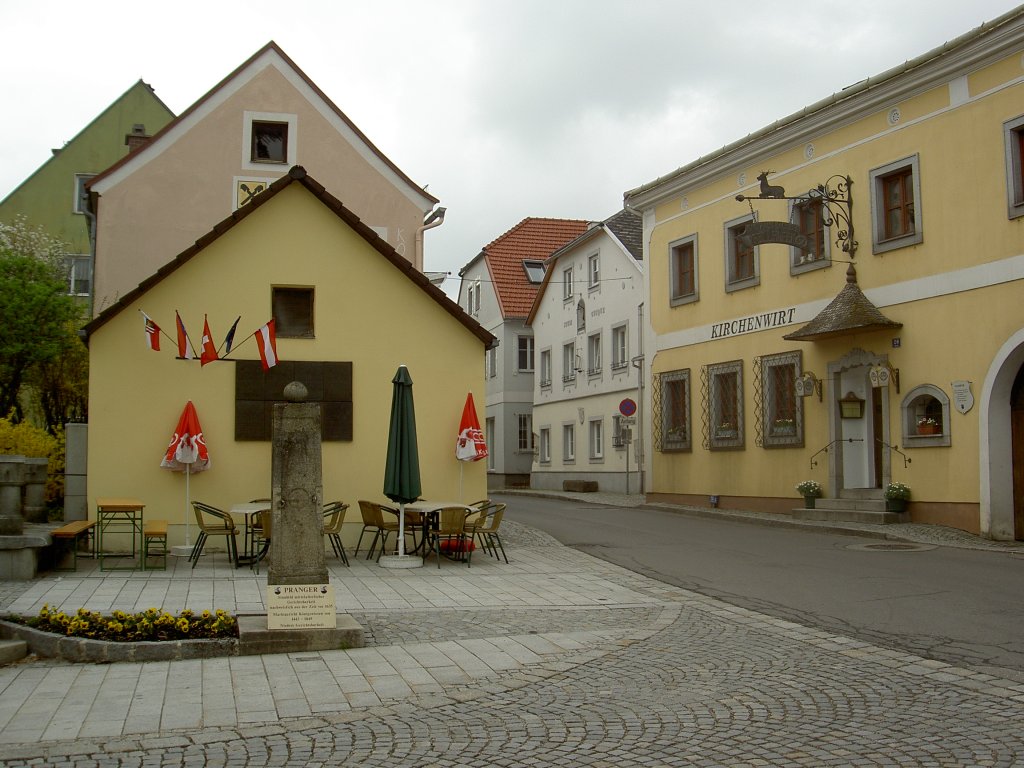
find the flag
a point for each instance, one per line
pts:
(152, 333)
(230, 338)
(209, 352)
(184, 345)
(266, 340)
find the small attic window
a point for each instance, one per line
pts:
(269, 142)
(534, 271)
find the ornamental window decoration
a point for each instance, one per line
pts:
(779, 411)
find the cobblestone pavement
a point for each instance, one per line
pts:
(592, 665)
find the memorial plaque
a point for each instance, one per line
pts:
(962, 396)
(301, 606)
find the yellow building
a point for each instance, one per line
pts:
(872, 334)
(349, 310)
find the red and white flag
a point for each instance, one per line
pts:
(152, 333)
(266, 340)
(471, 445)
(209, 352)
(184, 345)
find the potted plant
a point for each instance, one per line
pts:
(726, 429)
(926, 425)
(784, 427)
(896, 496)
(810, 490)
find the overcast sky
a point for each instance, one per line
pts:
(508, 109)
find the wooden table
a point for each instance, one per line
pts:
(119, 515)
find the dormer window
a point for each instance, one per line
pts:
(534, 271)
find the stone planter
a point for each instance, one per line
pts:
(809, 502)
(895, 505)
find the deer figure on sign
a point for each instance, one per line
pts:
(769, 190)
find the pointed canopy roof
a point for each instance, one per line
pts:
(849, 312)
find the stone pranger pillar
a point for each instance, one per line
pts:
(297, 539)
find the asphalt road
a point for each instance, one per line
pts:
(960, 606)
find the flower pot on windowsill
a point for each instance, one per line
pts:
(726, 434)
(929, 429)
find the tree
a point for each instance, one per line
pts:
(36, 314)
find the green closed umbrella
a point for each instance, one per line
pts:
(402, 470)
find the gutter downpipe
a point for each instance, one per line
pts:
(638, 363)
(434, 219)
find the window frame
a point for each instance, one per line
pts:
(594, 271)
(725, 406)
(473, 298)
(544, 456)
(569, 442)
(532, 267)
(678, 443)
(594, 364)
(284, 327)
(491, 363)
(567, 285)
(781, 404)
(291, 121)
(71, 261)
(595, 440)
(676, 250)
(524, 426)
(545, 368)
(881, 242)
(1013, 133)
(79, 194)
(925, 400)
(569, 362)
(620, 352)
(520, 351)
(799, 263)
(731, 233)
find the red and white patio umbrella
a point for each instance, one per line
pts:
(187, 453)
(471, 445)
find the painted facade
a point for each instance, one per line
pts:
(300, 237)
(924, 326)
(51, 198)
(498, 288)
(244, 134)
(585, 321)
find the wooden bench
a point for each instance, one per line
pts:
(75, 530)
(154, 543)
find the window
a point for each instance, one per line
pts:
(675, 411)
(895, 202)
(594, 354)
(683, 271)
(473, 298)
(269, 143)
(782, 417)
(568, 443)
(545, 368)
(741, 258)
(725, 405)
(569, 362)
(534, 271)
(525, 433)
(567, 292)
(594, 271)
(809, 216)
(293, 312)
(620, 358)
(80, 203)
(524, 353)
(925, 415)
(79, 275)
(329, 384)
(491, 363)
(545, 445)
(597, 439)
(268, 139)
(1014, 136)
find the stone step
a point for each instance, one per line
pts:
(853, 504)
(12, 650)
(850, 515)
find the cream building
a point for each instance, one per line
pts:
(876, 335)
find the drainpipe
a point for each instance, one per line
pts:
(435, 219)
(638, 362)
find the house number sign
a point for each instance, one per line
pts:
(962, 397)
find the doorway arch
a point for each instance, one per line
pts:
(996, 442)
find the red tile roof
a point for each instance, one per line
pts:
(532, 239)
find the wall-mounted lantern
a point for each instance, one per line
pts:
(881, 375)
(807, 385)
(851, 406)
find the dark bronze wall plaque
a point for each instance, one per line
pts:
(758, 232)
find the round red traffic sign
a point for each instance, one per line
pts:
(627, 407)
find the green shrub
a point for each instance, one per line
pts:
(151, 624)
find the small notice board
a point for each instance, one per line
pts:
(301, 606)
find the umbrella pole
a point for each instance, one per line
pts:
(401, 529)
(188, 501)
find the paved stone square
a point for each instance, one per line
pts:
(556, 659)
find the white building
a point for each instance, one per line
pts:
(586, 322)
(498, 288)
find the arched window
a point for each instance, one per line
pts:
(925, 417)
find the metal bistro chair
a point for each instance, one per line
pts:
(486, 530)
(373, 520)
(451, 526)
(334, 519)
(261, 538)
(221, 524)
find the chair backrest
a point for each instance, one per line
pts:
(221, 519)
(334, 516)
(491, 517)
(451, 520)
(370, 512)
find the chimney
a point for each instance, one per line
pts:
(137, 138)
